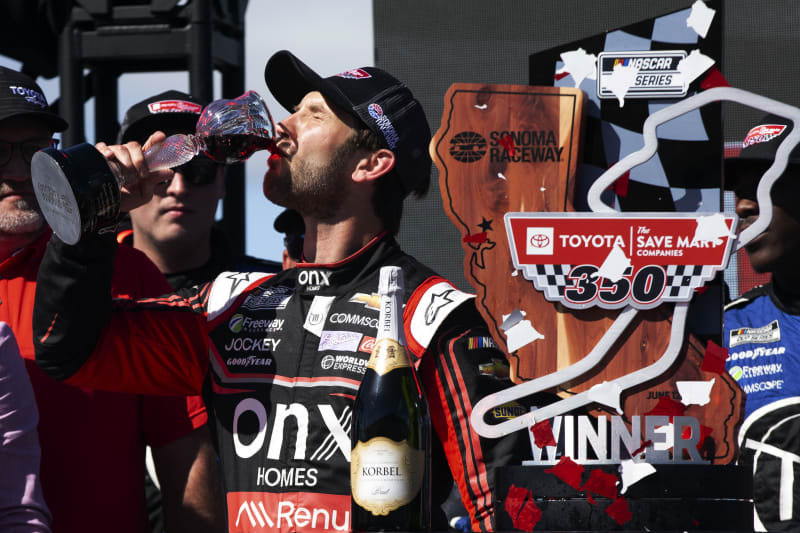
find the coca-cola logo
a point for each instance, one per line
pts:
(367, 344)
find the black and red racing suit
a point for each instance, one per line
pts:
(280, 358)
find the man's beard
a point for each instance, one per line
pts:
(315, 190)
(25, 218)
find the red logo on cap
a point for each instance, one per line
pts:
(174, 106)
(762, 134)
(355, 74)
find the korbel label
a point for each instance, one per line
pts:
(385, 475)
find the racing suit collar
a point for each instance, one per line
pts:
(332, 278)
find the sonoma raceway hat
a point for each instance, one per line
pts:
(760, 145)
(20, 95)
(170, 110)
(376, 98)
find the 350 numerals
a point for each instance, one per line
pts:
(584, 285)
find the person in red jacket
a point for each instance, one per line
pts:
(92, 461)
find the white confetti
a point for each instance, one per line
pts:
(692, 66)
(700, 18)
(501, 176)
(621, 79)
(579, 65)
(695, 392)
(632, 472)
(614, 266)
(482, 106)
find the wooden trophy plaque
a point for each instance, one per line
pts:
(511, 148)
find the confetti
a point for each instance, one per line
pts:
(567, 471)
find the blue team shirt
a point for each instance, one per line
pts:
(763, 346)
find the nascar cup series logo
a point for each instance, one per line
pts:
(385, 125)
(644, 74)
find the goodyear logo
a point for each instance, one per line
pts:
(657, 74)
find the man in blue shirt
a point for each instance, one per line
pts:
(762, 329)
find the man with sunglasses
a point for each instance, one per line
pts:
(762, 328)
(176, 228)
(92, 441)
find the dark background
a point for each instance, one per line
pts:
(430, 45)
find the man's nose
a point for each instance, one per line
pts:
(177, 184)
(745, 207)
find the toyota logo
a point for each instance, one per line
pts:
(540, 241)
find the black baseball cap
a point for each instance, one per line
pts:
(171, 110)
(21, 95)
(375, 97)
(759, 147)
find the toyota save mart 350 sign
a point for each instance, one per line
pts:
(611, 261)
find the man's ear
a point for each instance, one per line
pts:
(374, 165)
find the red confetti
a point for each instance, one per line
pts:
(618, 510)
(714, 358)
(528, 517)
(543, 434)
(701, 290)
(714, 78)
(507, 142)
(475, 239)
(641, 448)
(560, 76)
(514, 500)
(590, 499)
(705, 432)
(667, 407)
(567, 471)
(602, 484)
(621, 185)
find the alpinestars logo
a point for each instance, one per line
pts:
(438, 301)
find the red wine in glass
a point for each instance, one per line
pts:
(234, 148)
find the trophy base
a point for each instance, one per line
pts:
(76, 190)
(674, 498)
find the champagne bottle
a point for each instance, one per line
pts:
(390, 438)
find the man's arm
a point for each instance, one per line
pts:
(84, 336)
(460, 367)
(191, 491)
(22, 506)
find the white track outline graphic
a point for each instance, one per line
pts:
(609, 393)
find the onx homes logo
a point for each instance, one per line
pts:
(639, 259)
(652, 74)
